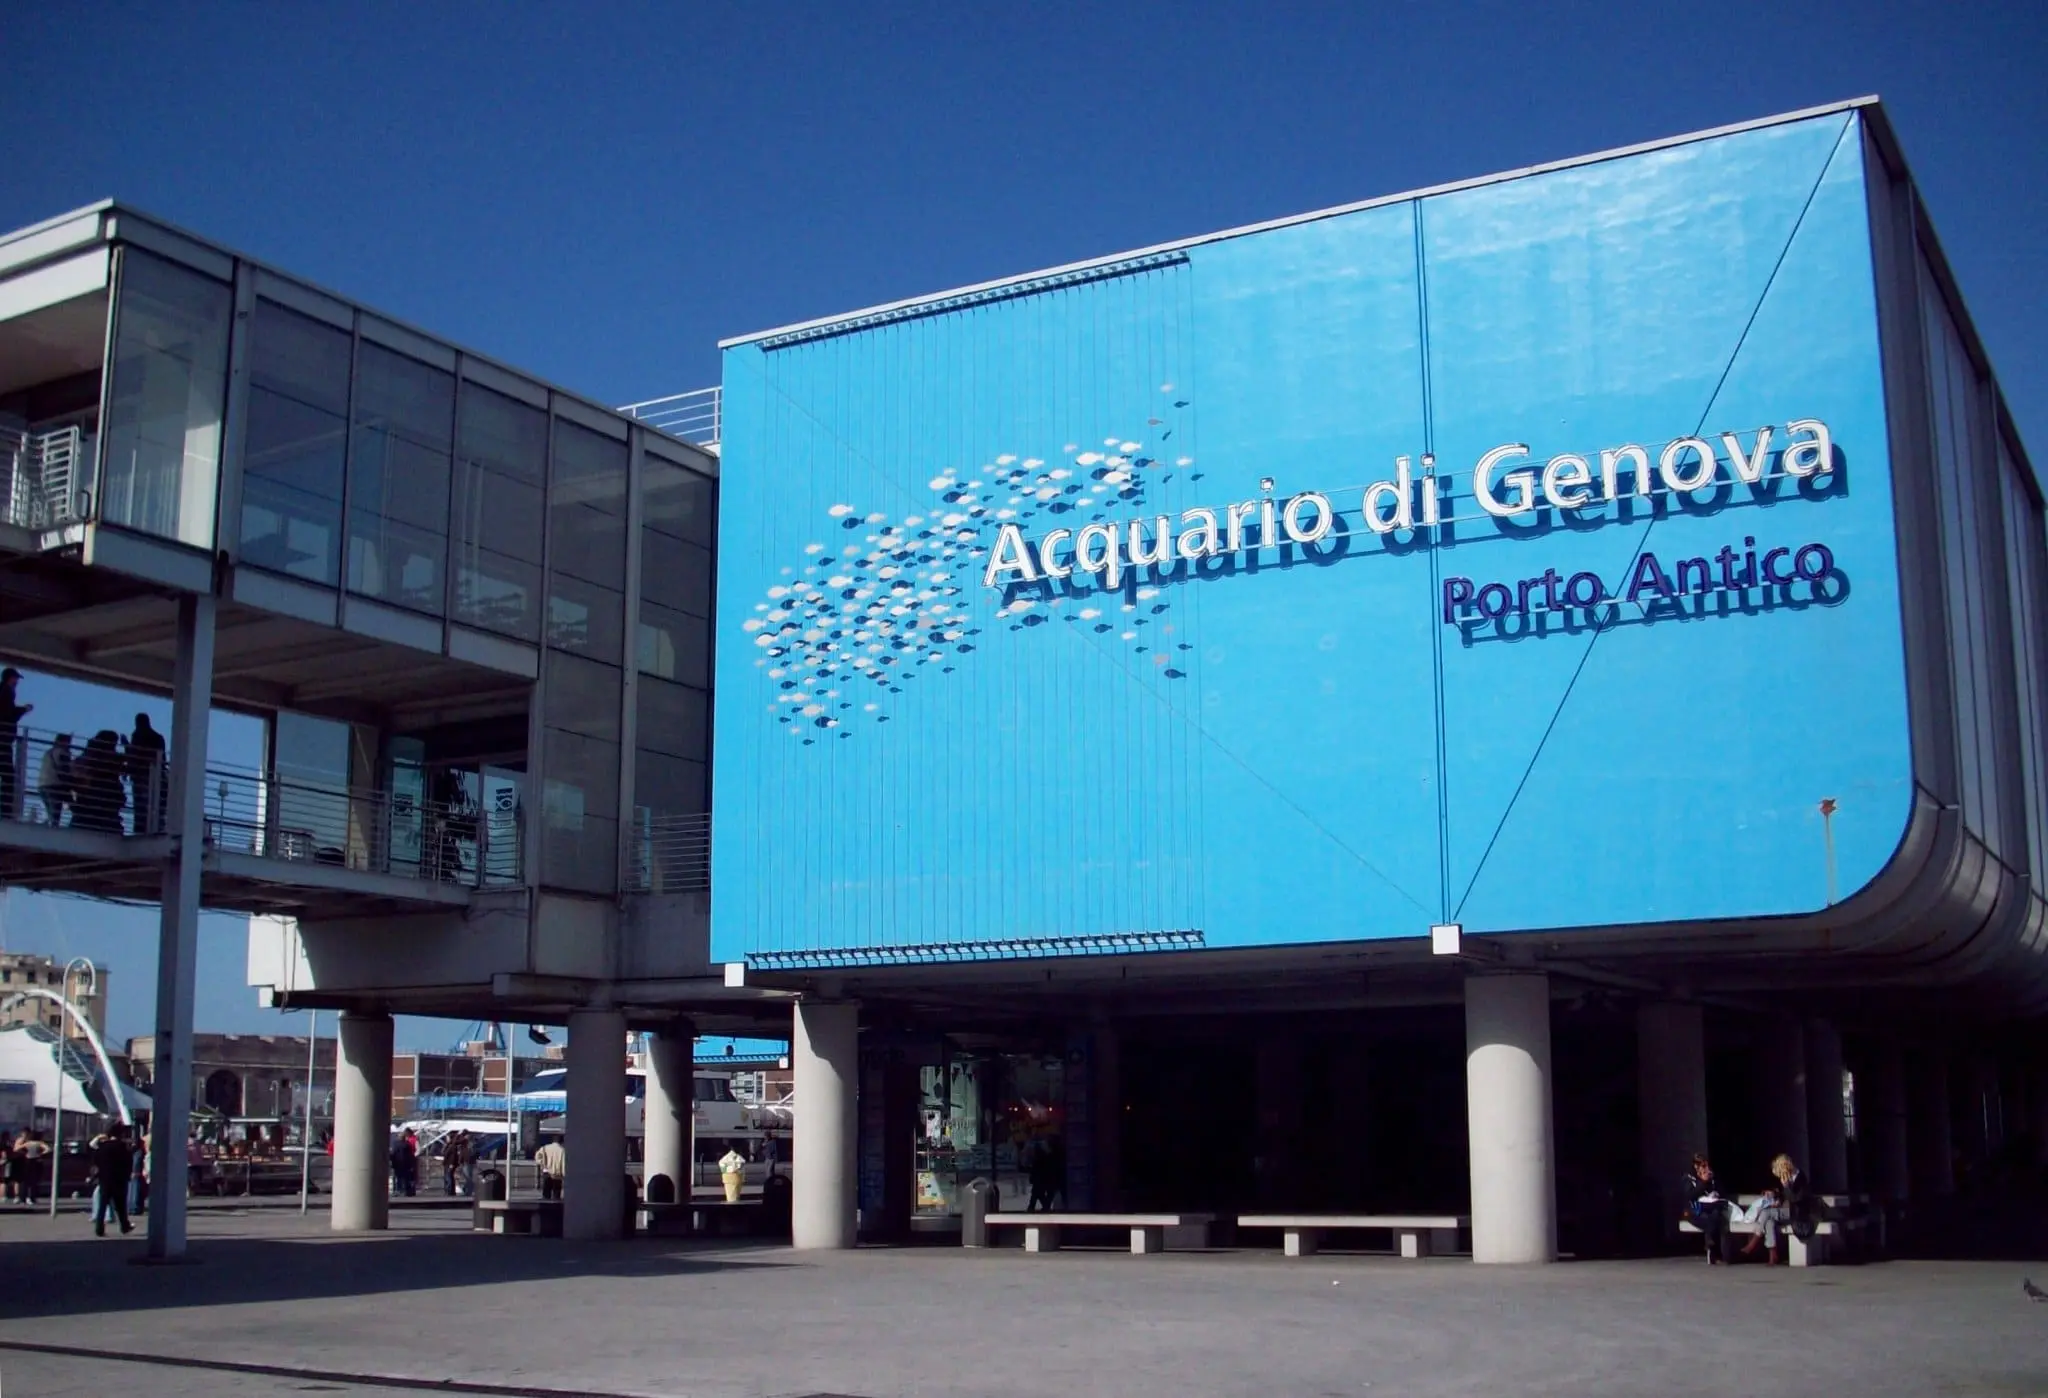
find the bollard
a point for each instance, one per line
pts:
(974, 1202)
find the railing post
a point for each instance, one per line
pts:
(483, 843)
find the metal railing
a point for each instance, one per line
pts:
(110, 786)
(45, 477)
(671, 853)
(692, 416)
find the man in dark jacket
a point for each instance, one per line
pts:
(151, 775)
(112, 1164)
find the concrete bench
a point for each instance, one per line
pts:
(541, 1217)
(1148, 1231)
(1301, 1234)
(709, 1218)
(1799, 1252)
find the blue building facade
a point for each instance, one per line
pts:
(1634, 552)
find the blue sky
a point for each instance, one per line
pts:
(599, 193)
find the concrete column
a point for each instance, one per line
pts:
(825, 1058)
(1780, 1093)
(362, 1123)
(177, 954)
(594, 1131)
(2038, 1103)
(1881, 1122)
(668, 1152)
(1671, 1099)
(1928, 1134)
(1106, 1063)
(1507, 1105)
(1278, 1150)
(1827, 1143)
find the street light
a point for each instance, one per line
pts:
(92, 988)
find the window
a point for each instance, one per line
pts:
(587, 544)
(674, 645)
(1962, 469)
(499, 512)
(164, 409)
(399, 467)
(580, 765)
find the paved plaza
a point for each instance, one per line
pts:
(279, 1305)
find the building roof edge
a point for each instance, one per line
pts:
(1500, 177)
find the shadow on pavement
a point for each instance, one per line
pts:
(74, 1276)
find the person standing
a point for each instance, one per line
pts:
(150, 774)
(54, 782)
(12, 712)
(138, 1178)
(112, 1167)
(405, 1164)
(554, 1164)
(451, 1161)
(35, 1156)
(98, 797)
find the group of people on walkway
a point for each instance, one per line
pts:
(1789, 1206)
(25, 1163)
(89, 788)
(118, 1159)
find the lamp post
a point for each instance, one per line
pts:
(92, 988)
(306, 1112)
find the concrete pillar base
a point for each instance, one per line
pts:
(668, 1167)
(825, 1060)
(362, 1123)
(594, 1131)
(1507, 1094)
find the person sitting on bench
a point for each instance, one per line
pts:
(1707, 1209)
(1790, 1205)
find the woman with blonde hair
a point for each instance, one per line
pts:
(1787, 1206)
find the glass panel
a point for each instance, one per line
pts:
(672, 719)
(312, 765)
(164, 410)
(395, 562)
(589, 766)
(675, 574)
(674, 645)
(676, 502)
(497, 593)
(582, 696)
(299, 357)
(291, 487)
(504, 434)
(584, 859)
(497, 512)
(2025, 576)
(580, 813)
(586, 619)
(402, 395)
(398, 478)
(1951, 402)
(590, 469)
(587, 543)
(670, 785)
